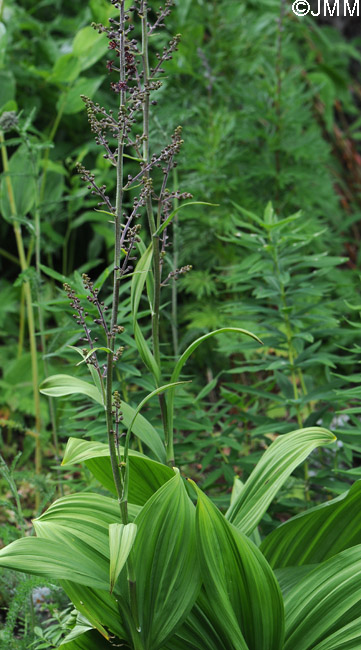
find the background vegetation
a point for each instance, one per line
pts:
(269, 105)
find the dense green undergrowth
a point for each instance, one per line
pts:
(265, 320)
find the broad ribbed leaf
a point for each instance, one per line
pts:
(121, 539)
(327, 600)
(244, 597)
(54, 560)
(317, 534)
(165, 563)
(92, 508)
(270, 473)
(346, 638)
(198, 632)
(146, 475)
(83, 516)
(98, 606)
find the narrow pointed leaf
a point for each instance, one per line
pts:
(242, 591)
(144, 431)
(60, 385)
(145, 352)
(141, 273)
(317, 534)
(324, 602)
(138, 281)
(121, 539)
(166, 223)
(86, 639)
(148, 397)
(185, 356)
(277, 463)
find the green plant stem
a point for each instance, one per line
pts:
(116, 281)
(21, 323)
(29, 310)
(9, 256)
(289, 333)
(51, 404)
(175, 266)
(291, 359)
(37, 236)
(152, 228)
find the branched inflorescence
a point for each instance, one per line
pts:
(123, 133)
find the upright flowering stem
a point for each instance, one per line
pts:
(136, 81)
(151, 221)
(116, 279)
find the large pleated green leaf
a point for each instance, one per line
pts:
(98, 606)
(83, 517)
(145, 475)
(318, 533)
(243, 594)
(97, 509)
(56, 560)
(346, 638)
(325, 602)
(200, 631)
(270, 473)
(165, 563)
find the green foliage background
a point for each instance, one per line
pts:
(269, 106)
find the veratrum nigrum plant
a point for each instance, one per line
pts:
(149, 569)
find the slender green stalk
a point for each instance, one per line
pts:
(289, 335)
(37, 237)
(9, 256)
(175, 266)
(21, 323)
(153, 225)
(116, 282)
(291, 359)
(29, 309)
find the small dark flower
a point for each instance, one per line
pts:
(119, 85)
